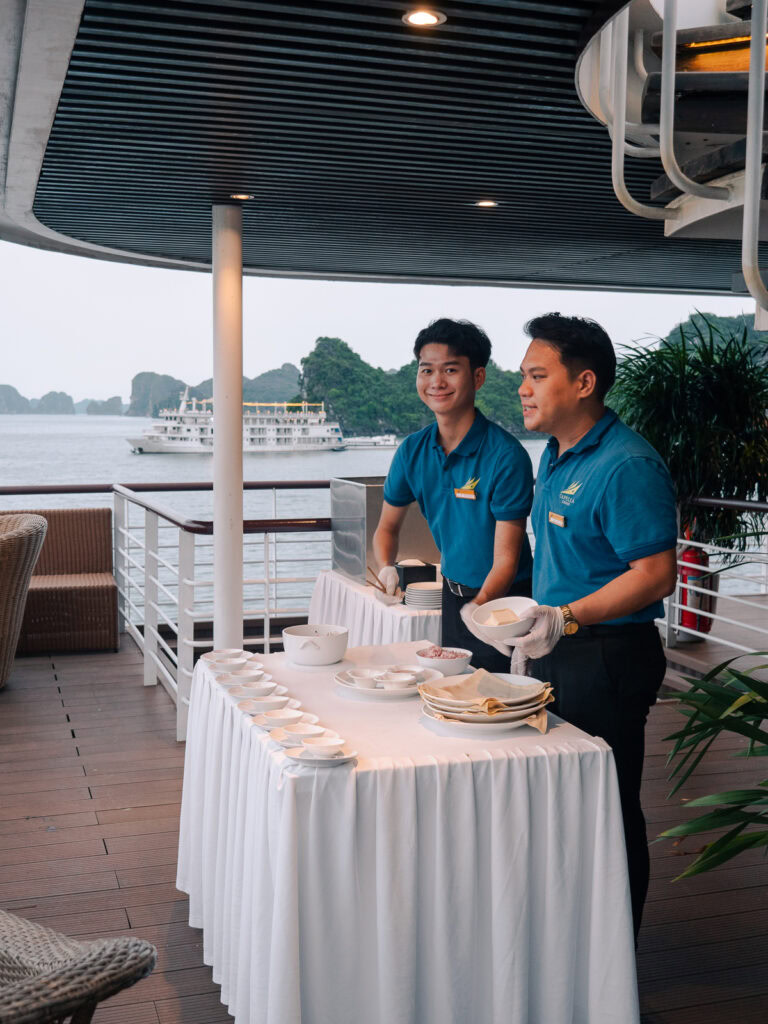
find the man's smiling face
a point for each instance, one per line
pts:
(445, 382)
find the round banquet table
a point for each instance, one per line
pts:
(437, 879)
(338, 600)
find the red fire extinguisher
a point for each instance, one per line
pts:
(694, 568)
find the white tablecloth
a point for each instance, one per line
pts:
(438, 880)
(340, 601)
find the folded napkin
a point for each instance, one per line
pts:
(490, 706)
(485, 692)
(538, 720)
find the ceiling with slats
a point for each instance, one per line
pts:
(365, 144)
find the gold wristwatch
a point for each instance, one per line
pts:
(571, 624)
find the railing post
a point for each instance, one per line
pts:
(267, 613)
(119, 563)
(185, 651)
(151, 569)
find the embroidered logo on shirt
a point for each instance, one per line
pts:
(567, 493)
(468, 490)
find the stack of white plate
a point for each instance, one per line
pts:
(424, 596)
(520, 697)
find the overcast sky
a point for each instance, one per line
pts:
(86, 327)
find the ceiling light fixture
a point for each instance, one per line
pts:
(240, 195)
(424, 17)
(486, 202)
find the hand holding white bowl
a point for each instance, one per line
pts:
(467, 612)
(548, 626)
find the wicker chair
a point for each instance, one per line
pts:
(21, 538)
(46, 977)
(72, 602)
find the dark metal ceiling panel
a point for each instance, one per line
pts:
(365, 144)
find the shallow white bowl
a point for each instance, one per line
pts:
(315, 645)
(284, 718)
(395, 680)
(365, 678)
(258, 690)
(303, 729)
(519, 605)
(225, 652)
(227, 664)
(259, 705)
(323, 746)
(448, 666)
(249, 675)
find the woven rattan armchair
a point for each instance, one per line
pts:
(46, 977)
(21, 538)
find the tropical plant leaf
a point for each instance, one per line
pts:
(715, 819)
(738, 844)
(743, 797)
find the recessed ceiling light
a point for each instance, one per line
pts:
(424, 17)
(486, 202)
(240, 195)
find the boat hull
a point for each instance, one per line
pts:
(150, 446)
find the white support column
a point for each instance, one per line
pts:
(227, 426)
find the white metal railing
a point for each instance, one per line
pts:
(725, 601)
(163, 566)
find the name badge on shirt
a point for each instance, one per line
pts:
(556, 520)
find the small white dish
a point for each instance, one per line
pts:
(259, 705)
(225, 652)
(250, 675)
(365, 678)
(258, 691)
(355, 692)
(227, 665)
(323, 746)
(415, 670)
(284, 717)
(252, 664)
(304, 756)
(395, 680)
(264, 723)
(290, 735)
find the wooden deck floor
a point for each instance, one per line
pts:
(91, 780)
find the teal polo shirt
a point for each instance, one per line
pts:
(602, 504)
(487, 478)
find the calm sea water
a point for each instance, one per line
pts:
(94, 449)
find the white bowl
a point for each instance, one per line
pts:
(323, 746)
(252, 664)
(247, 675)
(258, 690)
(315, 645)
(225, 652)
(519, 605)
(448, 666)
(395, 680)
(227, 664)
(365, 678)
(284, 718)
(259, 705)
(415, 670)
(302, 729)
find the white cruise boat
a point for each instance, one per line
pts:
(267, 427)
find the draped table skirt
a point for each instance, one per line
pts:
(437, 879)
(340, 601)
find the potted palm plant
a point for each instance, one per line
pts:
(700, 396)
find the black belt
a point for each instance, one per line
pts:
(459, 590)
(621, 629)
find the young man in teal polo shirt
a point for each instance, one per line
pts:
(473, 482)
(605, 523)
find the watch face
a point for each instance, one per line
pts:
(570, 628)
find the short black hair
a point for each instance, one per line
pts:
(582, 344)
(461, 336)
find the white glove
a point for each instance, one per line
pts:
(519, 663)
(389, 579)
(388, 599)
(466, 611)
(548, 627)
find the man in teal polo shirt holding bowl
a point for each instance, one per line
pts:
(605, 523)
(473, 482)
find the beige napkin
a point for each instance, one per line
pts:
(538, 719)
(483, 692)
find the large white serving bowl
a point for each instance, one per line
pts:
(446, 666)
(519, 605)
(315, 645)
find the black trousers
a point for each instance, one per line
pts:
(456, 634)
(605, 681)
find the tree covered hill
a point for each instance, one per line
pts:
(151, 392)
(368, 400)
(725, 326)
